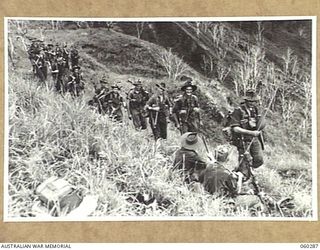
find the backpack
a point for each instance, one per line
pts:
(59, 196)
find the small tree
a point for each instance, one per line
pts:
(270, 84)
(140, 27)
(248, 72)
(110, 25)
(56, 24)
(208, 64)
(173, 65)
(306, 86)
(259, 36)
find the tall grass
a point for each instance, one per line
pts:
(50, 134)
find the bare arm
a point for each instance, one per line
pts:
(243, 131)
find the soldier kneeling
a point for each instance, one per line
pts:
(215, 178)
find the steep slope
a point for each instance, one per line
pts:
(51, 134)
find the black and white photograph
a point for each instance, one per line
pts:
(130, 119)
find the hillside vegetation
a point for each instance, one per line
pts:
(51, 134)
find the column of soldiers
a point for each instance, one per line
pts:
(61, 62)
(157, 108)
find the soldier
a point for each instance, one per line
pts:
(214, 177)
(65, 54)
(99, 100)
(58, 50)
(54, 71)
(41, 65)
(186, 110)
(187, 158)
(58, 71)
(33, 51)
(75, 82)
(159, 107)
(51, 53)
(137, 99)
(74, 57)
(246, 130)
(115, 103)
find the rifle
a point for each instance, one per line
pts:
(129, 111)
(206, 147)
(155, 120)
(261, 140)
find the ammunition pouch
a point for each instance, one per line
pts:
(183, 115)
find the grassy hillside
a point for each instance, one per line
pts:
(55, 135)
(50, 134)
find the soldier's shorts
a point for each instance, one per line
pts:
(138, 119)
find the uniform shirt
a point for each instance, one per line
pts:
(161, 101)
(115, 99)
(61, 69)
(65, 53)
(77, 79)
(137, 99)
(245, 118)
(186, 103)
(188, 160)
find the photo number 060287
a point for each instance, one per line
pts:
(160, 118)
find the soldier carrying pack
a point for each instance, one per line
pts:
(186, 111)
